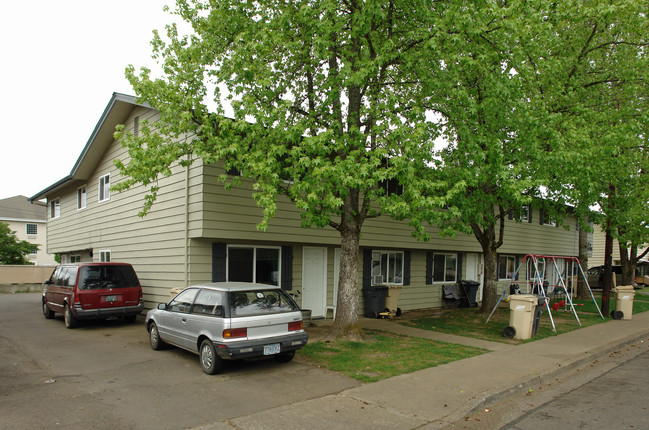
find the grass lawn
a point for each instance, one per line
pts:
(384, 355)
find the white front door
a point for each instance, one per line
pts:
(474, 271)
(314, 280)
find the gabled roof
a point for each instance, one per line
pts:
(116, 112)
(19, 208)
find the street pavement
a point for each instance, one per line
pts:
(437, 397)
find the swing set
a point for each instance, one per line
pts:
(547, 277)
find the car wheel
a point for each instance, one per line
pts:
(154, 337)
(70, 320)
(210, 361)
(285, 357)
(49, 314)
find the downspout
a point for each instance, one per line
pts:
(186, 226)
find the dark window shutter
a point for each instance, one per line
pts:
(406, 268)
(287, 268)
(530, 211)
(219, 258)
(429, 268)
(516, 268)
(541, 215)
(459, 268)
(511, 215)
(367, 268)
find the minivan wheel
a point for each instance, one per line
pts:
(49, 314)
(154, 337)
(210, 361)
(70, 320)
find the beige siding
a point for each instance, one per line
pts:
(155, 244)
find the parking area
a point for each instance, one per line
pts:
(105, 375)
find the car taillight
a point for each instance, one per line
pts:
(235, 333)
(76, 298)
(297, 325)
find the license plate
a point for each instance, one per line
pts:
(111, 298)
(271, 349)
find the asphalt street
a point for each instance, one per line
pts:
(104, 375)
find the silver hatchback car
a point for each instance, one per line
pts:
(228, 321)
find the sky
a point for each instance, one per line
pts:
(61, 63)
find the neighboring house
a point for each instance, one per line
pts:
(599, 242)
(198, 231)
(29, 221)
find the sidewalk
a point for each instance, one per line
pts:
(435, 397)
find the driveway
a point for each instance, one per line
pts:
(105, 375)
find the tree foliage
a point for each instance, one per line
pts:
(326, 112)
(13, 250)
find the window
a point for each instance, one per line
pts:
(209, 302)
(32, 229)
(183, 301)
(506, 266)
(104, 188)
(387, 267)
(81, 198)
(104, 256)
(55, 208)
(444, 267)
(253, 264)
(75, 259)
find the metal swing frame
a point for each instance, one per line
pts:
(540, 286)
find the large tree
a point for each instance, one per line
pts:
(12, 249)
(325, 112)
(529, 86)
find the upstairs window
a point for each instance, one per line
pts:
(104, 188)
(32, 229)
(81, 198)
(104, 256)
(55, 208)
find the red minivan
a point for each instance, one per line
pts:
(93, 291)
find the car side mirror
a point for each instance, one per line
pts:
(162, 306)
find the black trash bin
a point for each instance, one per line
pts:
(374, 298)
(471, 292)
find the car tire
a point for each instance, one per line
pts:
(285, 357)
(154, 338)
(210, 361)
(68, 318)
(47, 312)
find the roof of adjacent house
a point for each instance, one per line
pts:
(19, 208)
(116, 112)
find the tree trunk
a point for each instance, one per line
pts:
(347, 323)
(608, 272)
(628, 263)
(490, 296)
(582, 289)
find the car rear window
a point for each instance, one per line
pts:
(100, 277)
(260, 302)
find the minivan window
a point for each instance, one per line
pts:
(110, 276)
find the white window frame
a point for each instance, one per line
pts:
(525, 215)
(103, 187)
(391, 272)
(55, 208)
(445, 280)
(27, 232)
(82, 198)
(254, 259)
(508, 259)
(105, 256)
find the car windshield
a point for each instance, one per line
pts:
(100, 277)
(260, 302)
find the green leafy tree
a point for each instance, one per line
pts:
(12, 250)
(325, 112)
